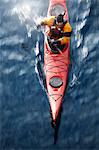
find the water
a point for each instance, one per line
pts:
(24, 109)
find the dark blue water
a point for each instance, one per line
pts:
(24, 109)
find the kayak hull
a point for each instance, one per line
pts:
(56, 66)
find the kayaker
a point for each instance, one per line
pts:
(59, 29)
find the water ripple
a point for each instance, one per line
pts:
(24, 108)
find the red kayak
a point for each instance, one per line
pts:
(56, 64)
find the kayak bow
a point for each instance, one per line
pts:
(56, 65)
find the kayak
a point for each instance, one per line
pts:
(56, 64)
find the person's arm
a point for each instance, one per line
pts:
(47, 21)
(44, 22)
(67, 31)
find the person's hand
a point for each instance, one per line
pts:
(52, 40)
(38, 26)
(56, 42)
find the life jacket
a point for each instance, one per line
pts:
(56, 31)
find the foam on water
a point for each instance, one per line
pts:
(24, 109)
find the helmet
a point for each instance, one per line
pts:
(60, 18)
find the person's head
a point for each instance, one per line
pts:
(60, 19)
